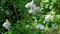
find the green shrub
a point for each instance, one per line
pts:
(24, 23)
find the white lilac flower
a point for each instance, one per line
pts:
(40, 26)
(32, 7)
(30, 4)
(32, 11)
(6, 24)
(47, 17)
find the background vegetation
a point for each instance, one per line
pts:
(24, 23)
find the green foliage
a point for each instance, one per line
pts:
(24, 23)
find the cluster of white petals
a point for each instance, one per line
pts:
(47, 17)
(40, 26)
(32, 7)
(6, 24)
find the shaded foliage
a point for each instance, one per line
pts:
(24, 23)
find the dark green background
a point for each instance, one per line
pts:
(17, 14)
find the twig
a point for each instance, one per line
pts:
(15, 11)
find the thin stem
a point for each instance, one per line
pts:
(15, 11)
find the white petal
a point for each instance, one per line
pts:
(39, 26)
(47, 17)
(30, 11)
(27, 5)
(6, 24)
(32, 7)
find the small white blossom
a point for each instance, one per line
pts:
(30, 4)
(32, 7)
(32, 11)
(47, 17)
(6, 24)
(40, 26)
